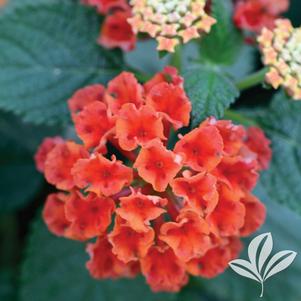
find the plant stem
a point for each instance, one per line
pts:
(176, 58)
(252, 80)
(239, 118)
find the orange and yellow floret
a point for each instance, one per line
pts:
(170, 22)
(166, 213)
(281, 49)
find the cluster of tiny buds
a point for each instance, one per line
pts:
(170, 22)
(281, 49)
(174, 8)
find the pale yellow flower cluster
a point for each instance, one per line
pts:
(171, 22)
(281, 49)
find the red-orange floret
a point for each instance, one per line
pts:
(259, 144)
(44, 149)
(229, 215)
(254, 15)
(255, 214)
(138, 126)
(129, 245)
(123, 89)
(101, 176)
(89, 216)
(60, 161)
(233, 136)
(239, 172)
(199, 192)
(85, 96)
(104, 264)
(116, 32)
(202, 147)
(105, 6)
(172, 102)
(157, 165)
(54, 214)
(94, 124)
(188, 237)
(163, 270)
(139, 209)
(216, 260)
(168, 75)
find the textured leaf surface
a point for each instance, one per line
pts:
(210, 93)
(47, 51)
(224, 42)
(12, 4)
(282, 123)
(54, 269)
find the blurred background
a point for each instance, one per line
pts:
(34, 265)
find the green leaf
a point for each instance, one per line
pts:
(284, 225)
(54, 269)
(210, 93)
(19, 178)
(282, 123)
(152, 64)
(15, 3)
(224, 42)
(47, 52)
(245, 63)
(191, 293)
(7, 285)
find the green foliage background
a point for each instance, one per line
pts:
(47, 51)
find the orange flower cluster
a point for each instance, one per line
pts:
(281, 49)
(171, 22)
(165, 213)
(115, 30)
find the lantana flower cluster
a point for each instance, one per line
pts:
(171, 22)
(115, 32)
(166, 212)
(254, 15)
(281, 49)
